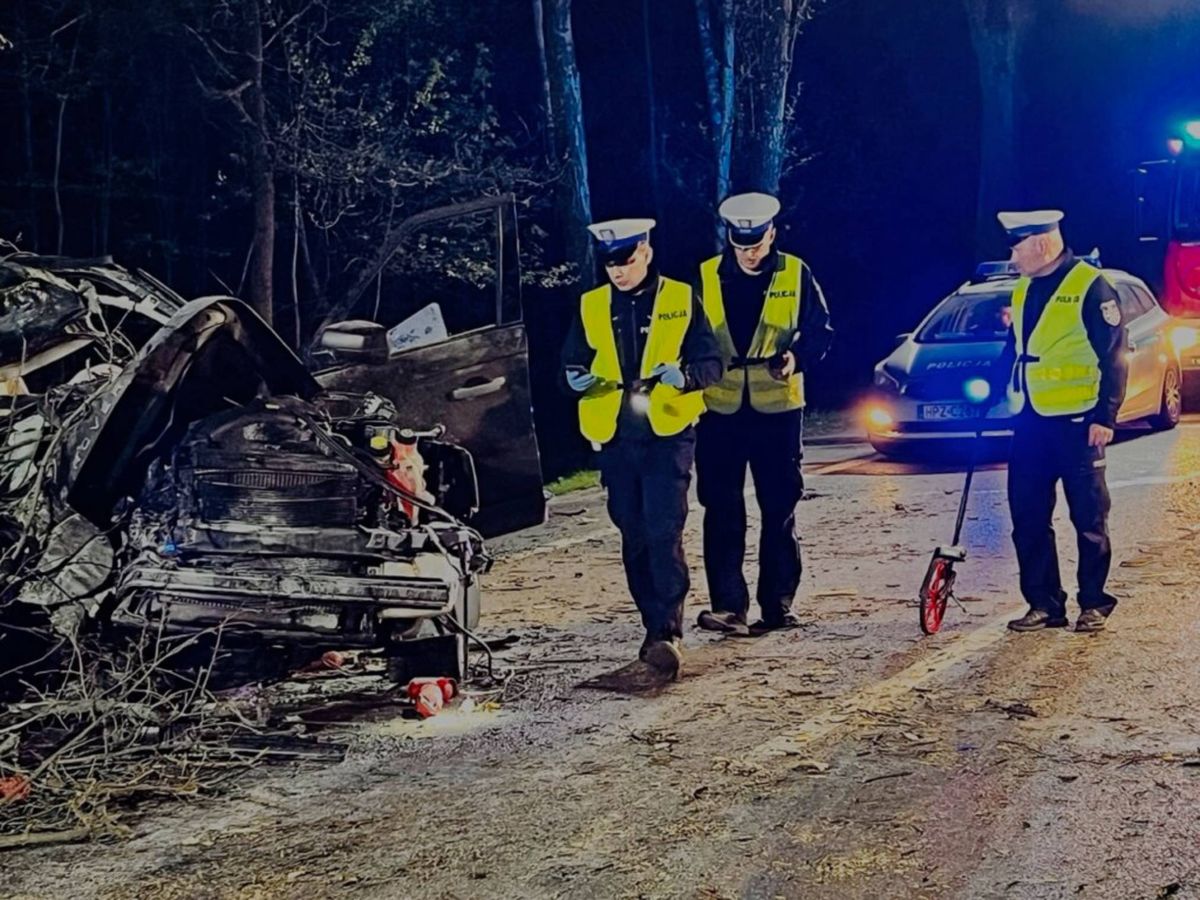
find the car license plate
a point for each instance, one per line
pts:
(943, 411)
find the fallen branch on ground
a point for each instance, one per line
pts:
(112, 728)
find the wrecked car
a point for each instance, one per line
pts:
(174, 466)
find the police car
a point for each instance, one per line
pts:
(945, 380)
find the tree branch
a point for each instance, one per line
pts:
(285, 26)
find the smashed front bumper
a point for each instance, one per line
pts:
(299, 609)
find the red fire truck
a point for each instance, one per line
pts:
(1169, 215)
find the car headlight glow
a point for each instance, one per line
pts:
(977, 390)
(1184, 337)
(879, 418)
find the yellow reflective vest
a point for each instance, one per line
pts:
(670, 410)
(776, 330)
(1057, 369)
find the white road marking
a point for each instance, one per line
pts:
(1127, 482)
(1153, 479)
(694, 507)
(560, 544)
(821, 469)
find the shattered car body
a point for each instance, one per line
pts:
(266, 521)
(206, 484)
(66, 329)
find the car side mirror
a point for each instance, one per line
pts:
(901, 338)
(355, 340)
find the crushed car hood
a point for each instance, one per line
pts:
(212, 354)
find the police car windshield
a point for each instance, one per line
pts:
(962, 318)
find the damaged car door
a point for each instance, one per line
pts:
(434, 325)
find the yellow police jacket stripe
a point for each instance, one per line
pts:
(1057, 369)
(670, 410)
(777, 324)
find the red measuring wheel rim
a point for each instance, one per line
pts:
(935, 595)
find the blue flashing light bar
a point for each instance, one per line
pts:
(1004, 268)
(999, 268)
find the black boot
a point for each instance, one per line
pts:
(1091, 620)
(766, 625)
(665, 657)
(1036, 620)
(722, 622)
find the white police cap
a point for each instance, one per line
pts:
(617, 238)
(748, 217)
(1020, 225)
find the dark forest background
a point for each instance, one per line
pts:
(265, 147)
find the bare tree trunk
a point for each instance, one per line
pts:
(25, 77)
(998, 30)
(573, 198)
(315, 291)
(296, 226)
(163, 143)
(63, 98)
(24, 93)
(651, 107)
(715, 21)
(262, 174)
(539, 24)
(765, 34)
(31, 239)
(58, 141)
(200, 199)
(104, 214)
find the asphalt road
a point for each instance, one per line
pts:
(851, 758)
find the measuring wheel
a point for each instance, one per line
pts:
(936, 590)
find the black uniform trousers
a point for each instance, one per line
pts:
(647, 482)
(770, 444)
(1045, 450)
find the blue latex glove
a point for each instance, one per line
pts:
(669, 374)
(579, 381)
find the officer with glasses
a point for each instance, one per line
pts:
(1068, 382)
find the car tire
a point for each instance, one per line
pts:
(1170, 409)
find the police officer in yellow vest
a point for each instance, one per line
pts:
(1067, 384)
(640, 355)
(772, 323)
